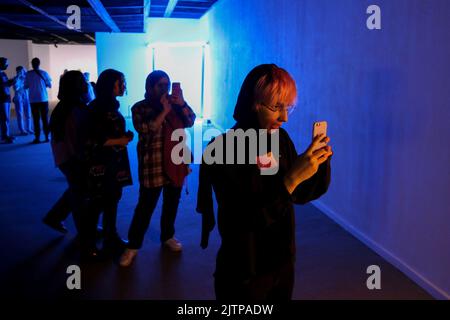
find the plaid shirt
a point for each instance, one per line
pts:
(151, 141)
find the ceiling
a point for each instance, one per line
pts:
(44, 21)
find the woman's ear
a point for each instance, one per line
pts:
(256, 107)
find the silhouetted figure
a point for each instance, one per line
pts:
(255, 211)
(90, 94)
(155, 118)
(5, 102)
(37, 81)
(22, 102)
(69, 128)
(109, 168)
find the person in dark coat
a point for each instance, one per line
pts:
(255, 208)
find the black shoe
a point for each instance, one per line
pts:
(58, 226)
(36, 141)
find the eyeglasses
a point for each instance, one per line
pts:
(279, 108)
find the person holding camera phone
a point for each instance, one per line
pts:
(255, 211)
(155, 118)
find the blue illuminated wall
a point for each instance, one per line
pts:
(126, 52)
(130, 53)
(386, 97)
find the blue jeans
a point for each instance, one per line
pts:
(4, 119)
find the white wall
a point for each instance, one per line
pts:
(17, 52)
(53, 59)
(71, 57)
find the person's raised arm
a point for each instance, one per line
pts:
(182, 109)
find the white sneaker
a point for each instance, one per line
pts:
(173, 245)
(126, 259)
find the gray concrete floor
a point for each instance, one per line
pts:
(331, 263)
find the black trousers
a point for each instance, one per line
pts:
(107, 203)
(75, 198)
(148, 198)
(62, 209)
(39, 110)
(276, 286)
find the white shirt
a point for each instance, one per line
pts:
(37, 86)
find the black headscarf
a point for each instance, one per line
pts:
(152, 79)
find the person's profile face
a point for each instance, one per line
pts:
(119, 88)
(160, 88)
(271, 117)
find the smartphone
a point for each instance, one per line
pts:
(176, 88)
(320, 128)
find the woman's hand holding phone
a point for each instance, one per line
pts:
(177, 95)
(307, 164)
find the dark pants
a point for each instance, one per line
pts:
(39, 110)
(4, 119)
(62, 209)
(148, 198)
(108, 203)
(274, 286)
(75, 198)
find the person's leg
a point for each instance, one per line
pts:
(84, 211)
(36, 120)
(148, 198)
(171, 199)
(60, 211)
(110, 201)
(3, 120)
(27, 113)
(44, 117)
(284, 283)
(18, 106)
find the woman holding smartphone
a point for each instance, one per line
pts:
(155, 119)
(255, 211)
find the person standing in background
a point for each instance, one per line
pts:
(37, 81)
(22, 103)
(90, 94)
(5, 101)
(155, 119)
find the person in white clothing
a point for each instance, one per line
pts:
(22, 103)
(37, 81)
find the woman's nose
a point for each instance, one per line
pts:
(283, 115)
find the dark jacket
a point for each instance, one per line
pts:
(255, 212)
(106, 122)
